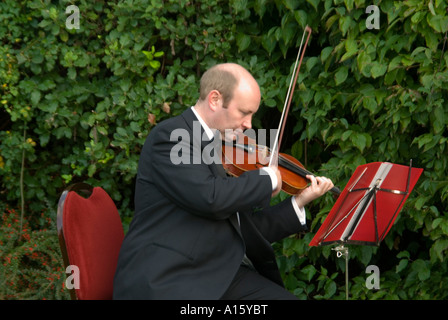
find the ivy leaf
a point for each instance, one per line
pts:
(243, 41)
(378, 69)
(314, 3)
(35, 97)
(268, 42)
(44, 139)
(148, 54)
(154, 64)
(288, 32)
(311, 62)
(431, 8)
(260, 7)
(424, 139)
(344, 24)
(91, 170)
(330, 289)
(359, 140)
(436, 222)
(422, 270)
(301, 17)
(71, 73)
(370, 104)
(363, 61)
(158, 54)
(330, 21)
(394, 63)
(439, 119)
(341, 75)
(438, 22)
(439, 246)
(351, 49)
(325, 53)
(309, 271)
(401, 265)
(346, 135)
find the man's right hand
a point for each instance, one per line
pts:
(279, 181)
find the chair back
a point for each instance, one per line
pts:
(90, 235)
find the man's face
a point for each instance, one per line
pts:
(240, 110)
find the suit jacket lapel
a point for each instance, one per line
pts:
(212, 153)
(208, 155)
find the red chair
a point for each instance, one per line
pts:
(90, 235)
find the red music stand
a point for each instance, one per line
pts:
(367, 207)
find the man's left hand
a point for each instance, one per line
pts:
(318, 187)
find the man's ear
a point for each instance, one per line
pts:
(214, 100)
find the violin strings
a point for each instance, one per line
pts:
(292, 166)
(304, 172)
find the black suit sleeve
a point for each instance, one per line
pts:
(277, 222)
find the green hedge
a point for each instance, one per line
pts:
(77, 104)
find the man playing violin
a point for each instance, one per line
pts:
(198, 233)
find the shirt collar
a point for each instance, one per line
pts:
(206, 128)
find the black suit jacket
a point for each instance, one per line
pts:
(185, 241)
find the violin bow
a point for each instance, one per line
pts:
(274, 153)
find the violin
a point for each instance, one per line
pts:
(243, 154)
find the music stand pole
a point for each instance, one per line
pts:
(343, 251)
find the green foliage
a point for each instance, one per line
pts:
(375, 96)
(79, 103)
(30, 261)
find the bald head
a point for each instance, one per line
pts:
(225, 78)
(229, 97)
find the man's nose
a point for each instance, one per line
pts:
(247, 123)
